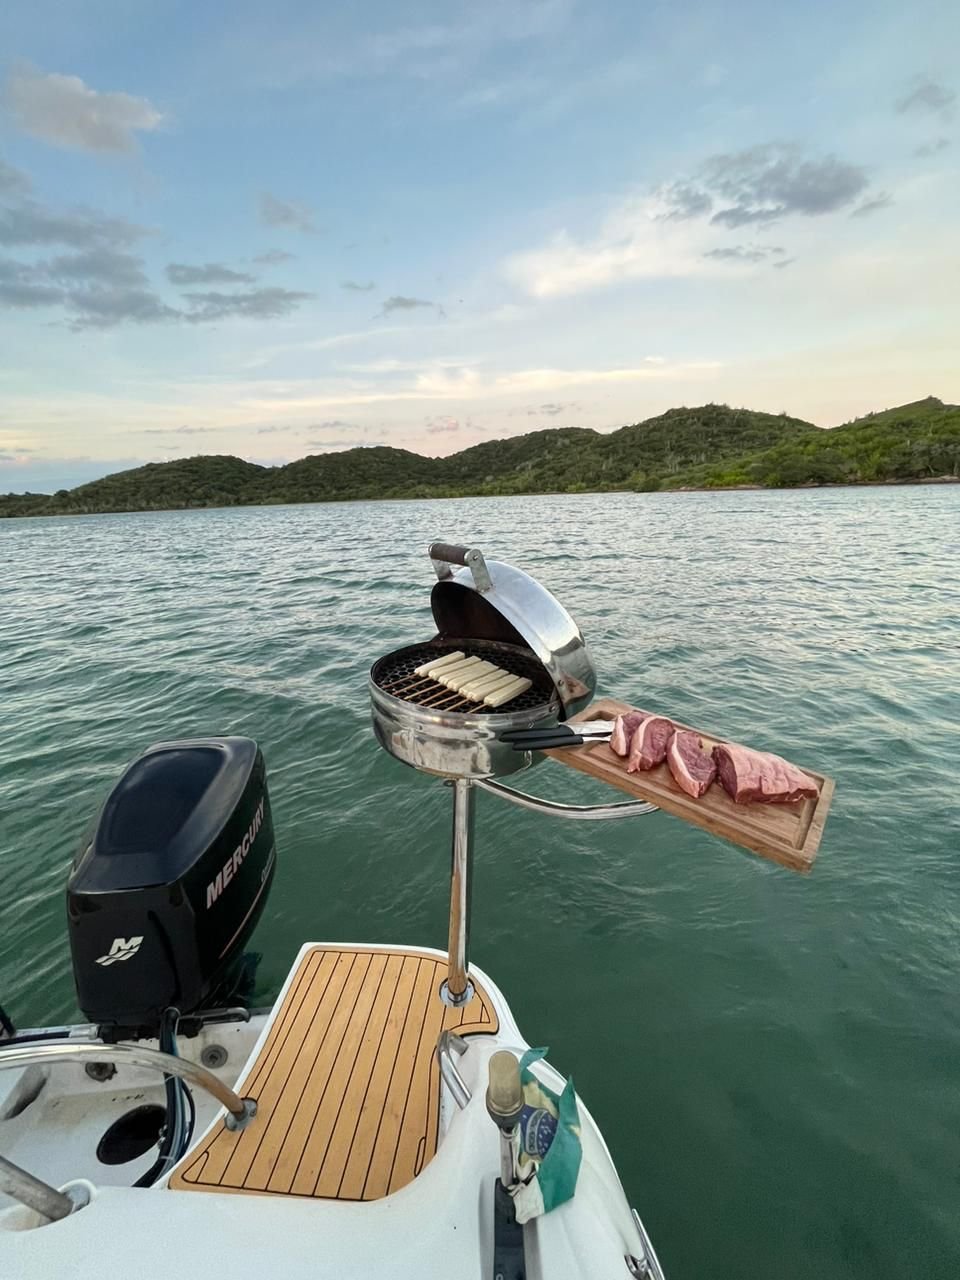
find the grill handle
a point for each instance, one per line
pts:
(444, 554)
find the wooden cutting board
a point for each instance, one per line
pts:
(786, 833)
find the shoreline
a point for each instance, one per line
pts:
(559, 493)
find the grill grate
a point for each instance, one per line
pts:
(395, 671)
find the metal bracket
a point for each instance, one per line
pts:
(578, 812)
(648, 1266)
(234, 1122)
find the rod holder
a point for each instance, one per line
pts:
(457, 990)
(505, 1107)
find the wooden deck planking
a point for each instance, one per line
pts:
(347, 1084)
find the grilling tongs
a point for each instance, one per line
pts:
(549, 737)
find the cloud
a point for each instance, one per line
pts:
(180, 273)
(769, 182)
(104, 308)
(764, 184)
(271, 431)
(744, 253)
(634, 241)
(468, 385)
(102, 284)
(358, 288)
(255, 304)
(176, 431)
(64, 111)
(883, 200)
(291, 214)
(98, 265)
(21, 287)
(331, 424)
(97, 289)
(674, 231)
(273, 257)
(399, 303)
(928, 97)
(13, 182)
(280, 55)
(442, 425)
(30, 223)
(784, 262)
(932, 148)
(323, 445)
(684, 200)
(551, 409)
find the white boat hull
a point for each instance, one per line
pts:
(437, 1226)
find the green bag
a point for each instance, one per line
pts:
(550, 1149)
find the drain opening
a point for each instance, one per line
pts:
(132, 1135)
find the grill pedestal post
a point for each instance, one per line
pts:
(457, 990)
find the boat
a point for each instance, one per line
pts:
(385, 1116)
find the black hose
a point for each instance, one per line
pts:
(177, 1131)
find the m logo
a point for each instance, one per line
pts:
(122, 949)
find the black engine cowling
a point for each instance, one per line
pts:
(167, 889)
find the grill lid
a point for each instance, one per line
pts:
(489, 600)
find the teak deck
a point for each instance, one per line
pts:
(347, 1083)
(787, 833)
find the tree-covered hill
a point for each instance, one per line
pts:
(707, 447)
(375, 472)
(215, 481)
(919, 441)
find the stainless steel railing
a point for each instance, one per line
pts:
(45, 1200)
(448, 1044)
(240, 1111)
(556, 809)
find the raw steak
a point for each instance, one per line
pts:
(748, 775)
(648, 746)
(692, 768)
(623, 731)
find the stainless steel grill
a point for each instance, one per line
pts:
(495, 612)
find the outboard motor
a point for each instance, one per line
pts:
(167, 889)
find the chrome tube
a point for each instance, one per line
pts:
(581, 812)
(239, 1110)
(448, 1044)
(458, 988)
(47, 1201)
(509, 1155)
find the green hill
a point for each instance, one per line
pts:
(375, 472)
(707, 447)
(919, 441)
(215, 481)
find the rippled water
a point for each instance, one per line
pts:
(774, 1058)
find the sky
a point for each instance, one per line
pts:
(275, 230)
